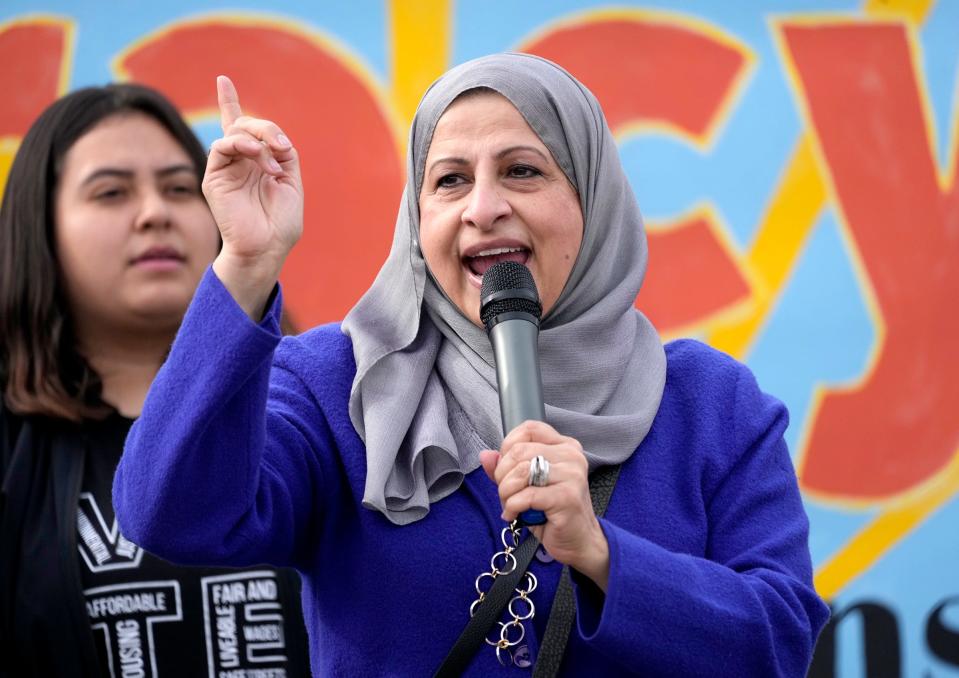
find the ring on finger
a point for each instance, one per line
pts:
(538, 471)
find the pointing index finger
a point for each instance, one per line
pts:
(229, 102)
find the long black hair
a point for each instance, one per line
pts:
(41, 371)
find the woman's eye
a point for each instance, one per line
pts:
(182, 189)
(108, 194)
(449, 181)
(523, 172)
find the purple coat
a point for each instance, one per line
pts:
(245, 454)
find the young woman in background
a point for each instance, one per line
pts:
(104, 235)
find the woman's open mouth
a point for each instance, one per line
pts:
(477, 264)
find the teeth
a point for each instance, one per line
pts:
(498, 250)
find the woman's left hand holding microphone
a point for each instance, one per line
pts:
(571, 534)
(253, 186)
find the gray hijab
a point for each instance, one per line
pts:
(424, 398)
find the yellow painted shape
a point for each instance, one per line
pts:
(420, 32)
(8, 149)
(914, 11)
(864, 549)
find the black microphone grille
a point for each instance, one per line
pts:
(508, 287)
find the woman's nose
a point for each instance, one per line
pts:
(486, 206)
(154, 211)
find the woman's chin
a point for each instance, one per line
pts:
(159, 309)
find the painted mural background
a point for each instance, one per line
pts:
(796, 162)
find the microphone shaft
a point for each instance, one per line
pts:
(519, 382)
(517, 372)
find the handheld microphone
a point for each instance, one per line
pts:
(510, 310)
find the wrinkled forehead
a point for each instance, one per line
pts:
(537, 88)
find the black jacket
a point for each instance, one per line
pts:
(44, 626)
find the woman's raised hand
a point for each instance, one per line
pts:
(571, 534)
(253, 186)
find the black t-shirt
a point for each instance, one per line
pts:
(151, 618)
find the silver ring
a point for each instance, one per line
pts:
(539, 471)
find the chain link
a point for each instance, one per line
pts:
(504, 562)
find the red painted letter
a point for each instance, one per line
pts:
(622, 61)
(32, 52)
(898, 426)
(352, 171)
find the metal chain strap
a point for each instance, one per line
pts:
(521, 607)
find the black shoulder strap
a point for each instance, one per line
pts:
(601, 485)
(486, 614)
(561, 615)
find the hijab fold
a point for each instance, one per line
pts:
(424, 397)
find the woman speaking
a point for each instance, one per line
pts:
(353, 452)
